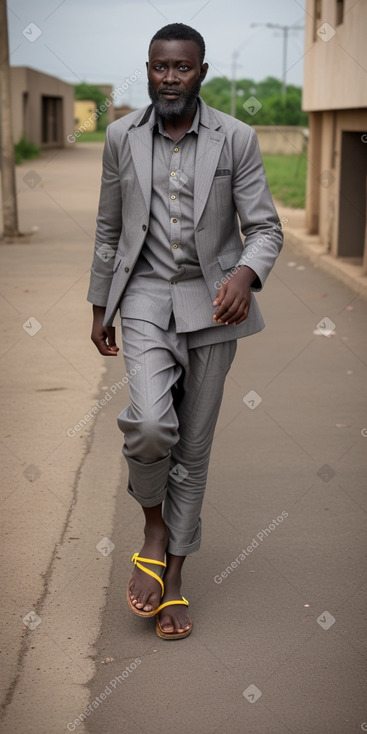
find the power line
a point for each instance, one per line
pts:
(285, 30)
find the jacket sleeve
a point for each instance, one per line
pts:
(109, 224)
(258, 218)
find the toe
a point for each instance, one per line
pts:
(152, 601)
(171, 624)
(166, 624)
(183, 624)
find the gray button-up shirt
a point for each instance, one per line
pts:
(168, 271)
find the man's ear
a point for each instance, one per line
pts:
(146, 66)
(203, 72)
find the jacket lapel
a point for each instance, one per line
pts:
(141, 146)
(209, 148)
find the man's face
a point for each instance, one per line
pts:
(175, 75)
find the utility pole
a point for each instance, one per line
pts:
(10, 213)
(235, 56)
(285, 30)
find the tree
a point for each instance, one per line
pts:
(273, 110)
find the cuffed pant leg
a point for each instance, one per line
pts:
(150, 422)
(148, 482)
(197, 413)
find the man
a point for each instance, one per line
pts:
(178, 177)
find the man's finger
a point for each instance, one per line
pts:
(227, 310)
(104, 349)
(107, 348)
(111, 343)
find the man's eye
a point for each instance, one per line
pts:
(184, 67)
(158, 67)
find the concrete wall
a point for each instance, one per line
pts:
(282, 139)
(335, 61)
(329, 198)
(27, 117)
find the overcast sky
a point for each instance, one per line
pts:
(105, 41)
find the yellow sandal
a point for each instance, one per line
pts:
(171, 635)
(138, 561)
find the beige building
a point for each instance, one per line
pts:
(42, 107)
(335, 95)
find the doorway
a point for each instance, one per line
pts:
(52, 121)
(352, 197)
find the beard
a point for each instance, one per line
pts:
(175, 108)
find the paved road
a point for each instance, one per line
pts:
(277, 592)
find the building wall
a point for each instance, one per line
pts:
(121, 111)
(335, 95)
(327, 192)
(83, 112)
(335, 68)
(282, 139)
(28, 87)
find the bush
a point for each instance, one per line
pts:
(25, 149)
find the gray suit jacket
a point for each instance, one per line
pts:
(229, 181)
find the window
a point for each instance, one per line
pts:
(339, 11)
(316, 18)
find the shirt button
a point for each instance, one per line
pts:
(173, 173)
(127, 270)
(175, 246)
(144, 228)
(176, 150)
(174, 221)
(173, 196)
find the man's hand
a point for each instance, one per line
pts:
(234, 297)
(103, 336)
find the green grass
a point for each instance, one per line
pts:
(95, 137)
(287, 178)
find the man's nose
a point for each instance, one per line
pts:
(170, 76)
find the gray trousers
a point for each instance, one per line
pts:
(169, 425)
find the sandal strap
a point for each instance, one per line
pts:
(171, 603)
(136, 558)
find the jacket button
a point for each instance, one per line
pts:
(127, 270)
(144, 227)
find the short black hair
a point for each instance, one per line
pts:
(180, 32)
